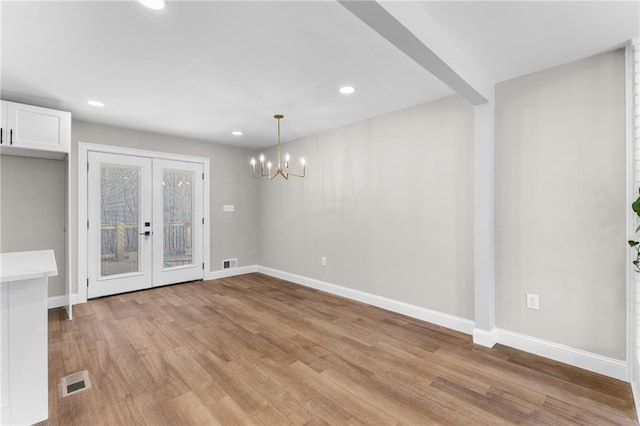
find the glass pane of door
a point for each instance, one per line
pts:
(178, 229)
(119, 211)
(177, 188)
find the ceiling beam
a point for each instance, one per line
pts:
(410, 28)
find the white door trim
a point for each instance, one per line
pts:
(82, 243)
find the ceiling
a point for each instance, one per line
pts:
(204, 69)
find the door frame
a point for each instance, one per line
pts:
(83, 206)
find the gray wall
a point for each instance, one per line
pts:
(232, 234)
(560, 204)
(388, 201)
(32, 210)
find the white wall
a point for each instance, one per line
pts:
(560, 204)
(232, 234)
(388, 201)
(32, 206)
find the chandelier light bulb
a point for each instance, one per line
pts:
(286, 157)
(302, 160)
(253, 161)
(262, 158)
(269, 164)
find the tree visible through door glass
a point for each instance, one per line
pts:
(119, 201)
(177, 217)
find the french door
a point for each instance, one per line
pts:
(178, 222)
(144, 223)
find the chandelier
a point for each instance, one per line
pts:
(284, 172)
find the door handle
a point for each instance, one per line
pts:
(11, 137)
(145, 233)
(1, 132)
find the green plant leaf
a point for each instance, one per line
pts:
(636, 206)
(633, 243)
(637, 229)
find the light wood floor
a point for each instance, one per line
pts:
(257, 350)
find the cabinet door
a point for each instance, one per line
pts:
(4, 131)
(37, 128)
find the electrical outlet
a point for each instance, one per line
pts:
(533, 301)
(324, 261)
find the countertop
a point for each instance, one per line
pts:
(26, 265)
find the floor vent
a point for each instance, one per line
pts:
(230, 263)
(75, 383)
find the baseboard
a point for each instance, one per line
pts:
(635, 390)
(578, 358)
(424, 314)
(485, 338)
(589, 361)
(224, 273)
(566, 354)
(60, 301)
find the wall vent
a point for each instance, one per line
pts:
(75, 383)
(230, 263)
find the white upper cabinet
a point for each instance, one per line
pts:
(34, 131)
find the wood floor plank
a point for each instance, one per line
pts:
(255, 350)
(228, 412)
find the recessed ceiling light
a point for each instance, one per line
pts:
(153, 4)
(236, 133)
(347, 90)
(96, 103)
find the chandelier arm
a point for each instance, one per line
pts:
(258, 176)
